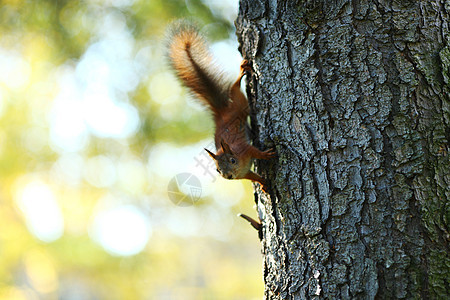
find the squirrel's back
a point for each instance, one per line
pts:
(194, 64)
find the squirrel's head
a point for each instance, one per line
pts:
(227, 163)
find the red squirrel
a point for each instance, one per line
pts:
(194, 65)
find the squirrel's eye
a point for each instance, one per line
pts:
(232, 160)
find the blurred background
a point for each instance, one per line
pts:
(105, 189)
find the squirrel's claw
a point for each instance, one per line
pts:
(265, 188)
(269, 153)
(245, 66)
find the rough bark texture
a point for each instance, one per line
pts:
(354, 95)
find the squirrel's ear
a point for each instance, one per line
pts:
(211, 154)
(225, 147)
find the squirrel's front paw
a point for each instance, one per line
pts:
(268, 154)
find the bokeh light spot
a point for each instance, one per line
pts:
(68, 130)
(16, 70)
(41, 210)
(122, 231)
(108, 118)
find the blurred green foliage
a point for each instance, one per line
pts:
(60, 172)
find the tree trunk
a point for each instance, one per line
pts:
(354, 96)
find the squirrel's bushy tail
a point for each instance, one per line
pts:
(193, 63)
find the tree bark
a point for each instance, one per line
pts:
(354, 96)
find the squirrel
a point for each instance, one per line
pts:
(194, 65)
